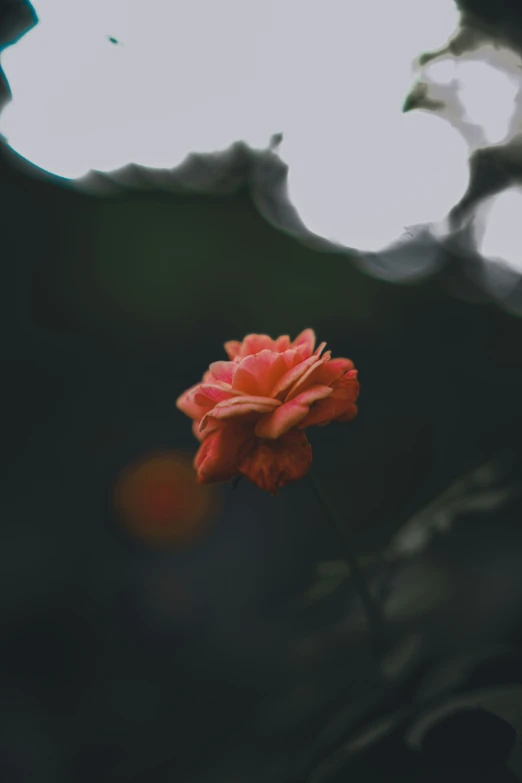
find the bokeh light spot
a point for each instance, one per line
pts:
(157, 498)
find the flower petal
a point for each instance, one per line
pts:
(239, 406)
(324, 372)
(273, 425)
(349, 414)
(282, 343)
(257, 374)
(212, 426)
(332, 371)
(186, 402)
(340, 404)
(305, 341)
(253, 343)
(271, 464)
(303, 381)
(219, 454)
(232, 347)
(292, 376)
(210, 394)
(223, 372)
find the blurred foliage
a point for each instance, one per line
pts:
(146, 265)
(331, 574)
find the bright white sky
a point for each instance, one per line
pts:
(498, 228)
(198, 75)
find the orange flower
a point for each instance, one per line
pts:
(250, 412)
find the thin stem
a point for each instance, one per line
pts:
(375, 617)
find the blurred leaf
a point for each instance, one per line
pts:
(400, 660)
(332, 573)
(452, 673)
(505, 702)
(476, 491)
(417, 588)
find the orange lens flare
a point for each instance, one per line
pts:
(158, 499)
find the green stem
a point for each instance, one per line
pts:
(375, 617)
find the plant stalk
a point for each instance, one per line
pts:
(374, 615)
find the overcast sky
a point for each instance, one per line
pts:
(98, 85)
